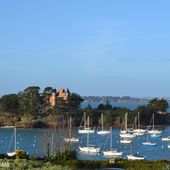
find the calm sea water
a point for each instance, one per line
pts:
(129, 105)
(34, 142)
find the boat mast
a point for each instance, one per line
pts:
(102, 121)
(135, 123)
(126, 121)
(153, 122)
(70, 127)
(15, 145)
(88, 133)
(84, 120)
(147, 138)
(110, 138)
(138, 121)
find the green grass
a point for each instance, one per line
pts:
(42, 164)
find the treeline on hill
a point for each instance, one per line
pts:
(113, 116)
(30, 108)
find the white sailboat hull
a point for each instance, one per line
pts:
(149, 143)
(133, 157)
(112, 153)
(89, 149)
(103, 132)
(15, 142)
(155, 135)
(71, 140)
(140, 130)
(125, 141)
(127, 135)
(123, 131)
(11, 154)
(154, 132)
(84, 131)
(166, 138)
(138, 133)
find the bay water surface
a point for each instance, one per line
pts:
(34, 142)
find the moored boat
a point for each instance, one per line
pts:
(84, 129)
(166, 138)
(90, 149)
(102, 131)
(125, 141)
(112, 152)
(153, 131)
(155, 135)
(134, 157)
(138, 130)
(127, 135)
(149, 143)
(70, 138)
(13, 153)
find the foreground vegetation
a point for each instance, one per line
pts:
(37, 164)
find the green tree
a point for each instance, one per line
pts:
(9, 103)
(145, 114)
(107, 106)
(101, 107)
(74, 101)
(89, 106)
(158, 104)
(29, 100)
(48, 90)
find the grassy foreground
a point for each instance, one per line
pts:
(37, 164)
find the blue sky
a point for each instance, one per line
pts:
(92, 47)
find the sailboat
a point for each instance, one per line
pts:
(148, 143)
(125, 133)
(153, 132)
(134, 157)
(89, 148)
(138, 131)
(70, 138)
(15, 146)
(112, 152)
(85, 129)
(166, 138)
(125, 141)
(102, 131)
(124, 125)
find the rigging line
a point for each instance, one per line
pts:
(10, 141)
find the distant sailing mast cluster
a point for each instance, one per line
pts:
(126, 136)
